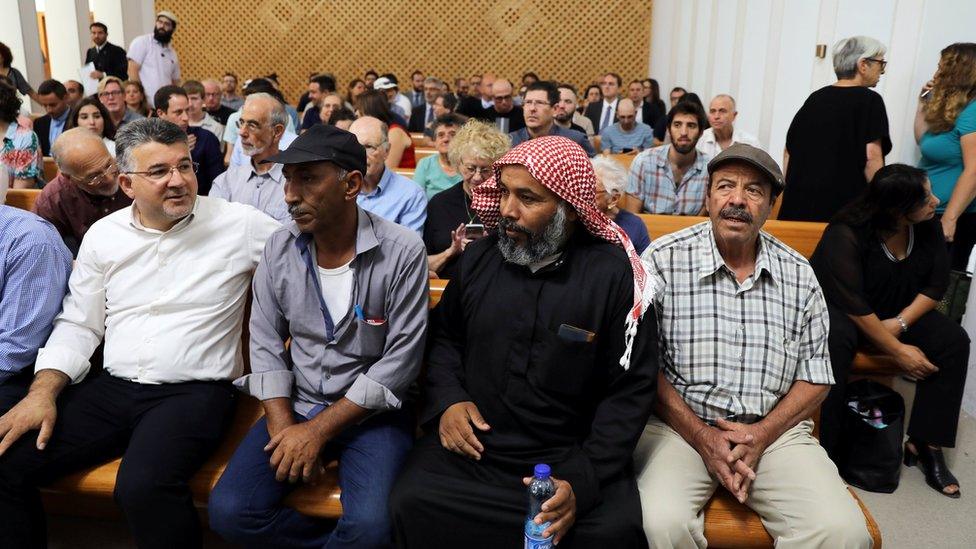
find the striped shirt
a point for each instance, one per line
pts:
(34, 269)
(735, 349)
(652, 181)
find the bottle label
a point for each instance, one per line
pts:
(537, 542)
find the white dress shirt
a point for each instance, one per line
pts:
(708, 145)
(169, 304)
(612, 107)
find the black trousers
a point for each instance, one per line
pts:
(444, 500)
(163, 433)
(938, 398)
(14, 389)
(963, 241)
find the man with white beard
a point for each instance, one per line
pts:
(261, 125)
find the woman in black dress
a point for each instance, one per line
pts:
(451, 222)
(838, 138)
(883, 266)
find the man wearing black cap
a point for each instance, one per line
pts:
(744, 367)
(350, 290)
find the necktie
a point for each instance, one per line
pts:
(606, 117)
(430, 114)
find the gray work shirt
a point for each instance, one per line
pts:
(372, 355)
(265, 191)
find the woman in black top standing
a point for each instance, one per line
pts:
(839, 137)
(883, 266)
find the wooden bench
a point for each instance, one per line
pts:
(423, 152)
(728, 524)
(22, 198)
(50, 169)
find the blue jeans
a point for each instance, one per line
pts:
(246, 506)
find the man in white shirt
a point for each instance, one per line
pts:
(152, 60)
(604, 114)
(165, 283)
(199, 118)
(722, 134)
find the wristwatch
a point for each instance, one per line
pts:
(904, 326)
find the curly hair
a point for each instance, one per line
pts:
(955, 86)
(9, 102)
(478, 139)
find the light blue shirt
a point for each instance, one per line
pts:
(397, 199)
(57, 126)
(615, 139)
(265, 192)
(34, 269)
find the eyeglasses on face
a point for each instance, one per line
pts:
(162, 174)
(96, 179)
(881, 62)
(472, 170)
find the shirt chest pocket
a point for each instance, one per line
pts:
(782, 355)
(565, 366)
(369, 340)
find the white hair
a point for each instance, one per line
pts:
(848, 51)
(611, 173)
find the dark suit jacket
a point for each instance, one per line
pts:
(418, 119)
(516, 118)
(471, 107)
(111, 60)
(593, 112)
(42, 127)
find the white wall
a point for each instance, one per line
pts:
(762, 52)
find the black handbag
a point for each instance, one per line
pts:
(870, 447)
(953, 303)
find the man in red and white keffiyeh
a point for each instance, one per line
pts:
(560, 168)
(524, 363)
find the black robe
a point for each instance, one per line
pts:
(549, 397)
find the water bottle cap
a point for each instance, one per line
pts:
(542, 471)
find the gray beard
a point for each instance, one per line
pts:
(539, 246)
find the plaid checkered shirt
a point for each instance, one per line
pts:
(734, 350)
(652, 180)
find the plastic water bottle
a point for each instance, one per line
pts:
(540, 489)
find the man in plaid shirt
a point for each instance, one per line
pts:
(672, 178)
(743, 347)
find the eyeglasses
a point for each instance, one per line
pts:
(162, 174)
(536, 103)
(115, 93)
(251, 125)
(97, 179)
(503, 98)
(472, 170)
(882, 62)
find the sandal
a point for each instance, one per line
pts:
(932, 463)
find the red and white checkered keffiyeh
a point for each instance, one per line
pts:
(563, 167)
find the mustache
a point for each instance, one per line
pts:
(295, 210)
(506, 224)
(178, 194)
(736, 212)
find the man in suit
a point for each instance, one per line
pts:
(422, 115)
(645, 112)
(108, 58)
(417, 96)
(54, 98)
(504, 114)
(479, 103)
(604, 114)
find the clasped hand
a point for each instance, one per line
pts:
(295, 453)
(731, 452)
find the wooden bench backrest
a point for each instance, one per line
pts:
(50, 169)
(423, 152)
(802, 236)
(22, 198)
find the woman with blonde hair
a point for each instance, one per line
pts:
(945, 128)
(451, 222)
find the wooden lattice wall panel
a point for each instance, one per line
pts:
(573, 41)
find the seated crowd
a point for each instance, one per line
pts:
(648, 375)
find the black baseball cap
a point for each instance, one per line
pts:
(324, 143)
(753, 156)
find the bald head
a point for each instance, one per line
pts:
(721, 115)
(372, 134)
(81, 155)
(501, 94)
(627, 114)
(211, 94)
